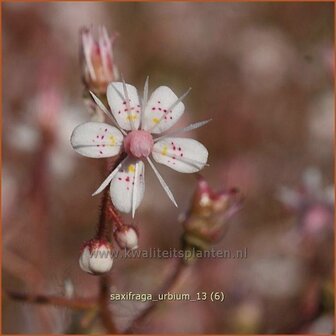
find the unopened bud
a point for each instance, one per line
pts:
(127, 237)
(98, 67)
(206, 221)
(96, 257)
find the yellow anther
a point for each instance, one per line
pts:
(131, 168)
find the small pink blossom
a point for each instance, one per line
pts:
(207, 220)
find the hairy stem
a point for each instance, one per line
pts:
(113, 214)
(104, 228)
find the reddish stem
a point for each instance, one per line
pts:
(112, 213)
(104, 228)
(104, 231)
(104, 301)
(73, 303)
(169, 284)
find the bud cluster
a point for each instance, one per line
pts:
(96, 254)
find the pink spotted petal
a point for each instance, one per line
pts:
(96, 140)
(126, 112)
(128, 186)
(160, 113)
(181, 154)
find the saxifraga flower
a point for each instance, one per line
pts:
(136, 123)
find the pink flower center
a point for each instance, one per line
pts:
(138, 143)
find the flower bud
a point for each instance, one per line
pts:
(206, 221)
(98, 67)
(96, 257)
(127, 237)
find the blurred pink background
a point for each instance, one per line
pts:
(264, 73)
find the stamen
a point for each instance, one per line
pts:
(108, 179)
(134, 188)
(162, 182)
(106, 111)
(180, 99)
(124, 99)
(145, 93)
(128, 106)
(185, 129)
(144, 99)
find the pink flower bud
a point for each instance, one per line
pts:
(98, 65)
(96, 257)
(206, 221)
(127, 237)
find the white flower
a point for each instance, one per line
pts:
(127, 238)
(135, 124)
(96, 257)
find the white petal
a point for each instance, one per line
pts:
(106, 111)
(101, 260)
(135, 187)
(127, 113)
(145, 94)
(184, 129)
(161, 111)
(127, 239)
(84, 260)
(180, 154)
(96, 140)
(128, 186)
(144, 100)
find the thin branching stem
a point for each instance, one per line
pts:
(108, 217)
(107, 211)
(103, 302)
(169, 284)
(73, 303)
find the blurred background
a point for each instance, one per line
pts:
(264, 73)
